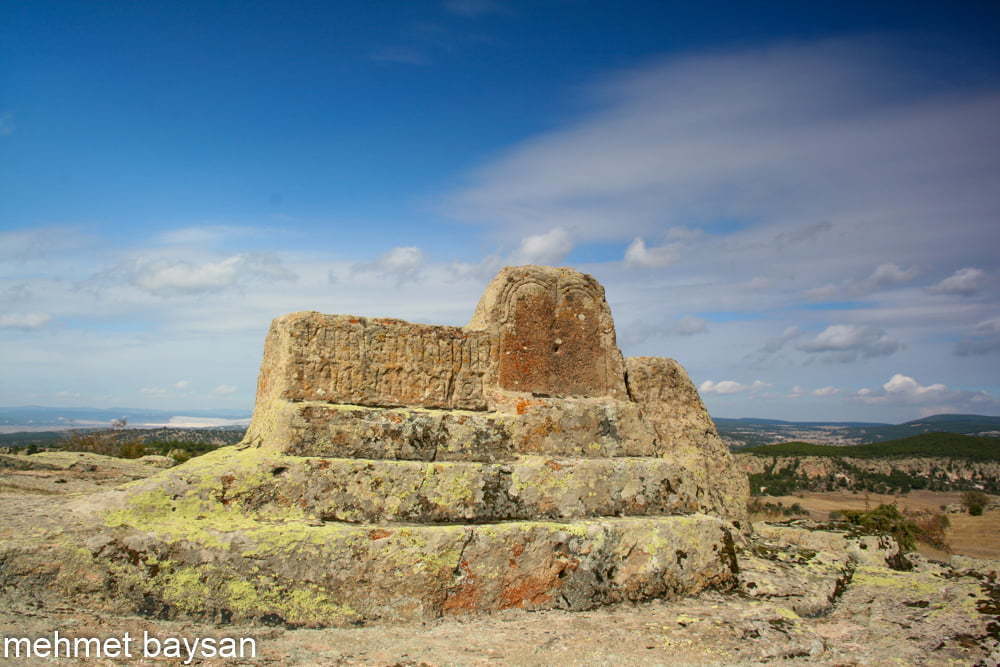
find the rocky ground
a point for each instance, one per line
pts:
(806, 595)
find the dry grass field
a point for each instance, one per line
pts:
(975, 536)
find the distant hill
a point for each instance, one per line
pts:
(35, 417)
(200, 439)
(925, 445)
(740, 433)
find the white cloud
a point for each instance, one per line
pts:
(224, 390)
(182, 384)
(153, 392)
(903, 385)
(903, 390)
(849, 342)
(24, 321)
(964, 282)
(175, 277)
(724, 387)
(548, 248)
(637, 255)
(826, 391)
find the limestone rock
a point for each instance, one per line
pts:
(808, 569)
(397, 471)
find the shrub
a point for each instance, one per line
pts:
(758, 507)
(103, 443)
(131, 450)
(90, 442)
(975, 502)
(885, 520)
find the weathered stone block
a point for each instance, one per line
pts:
(553, 331)
(372, 491)
(309, 356)
(350, 431)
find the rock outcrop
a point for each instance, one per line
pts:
(397, 471)
(819, 472)
(817, 594)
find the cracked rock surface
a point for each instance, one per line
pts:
(821, 597)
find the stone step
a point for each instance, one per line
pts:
(341, 574)
(570, 427)
(530, 487)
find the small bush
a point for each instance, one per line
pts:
(103, 443)
(975, 502)
(131, 450)
(179, 455)
(90, 442)
(756, 506)
(885, 520)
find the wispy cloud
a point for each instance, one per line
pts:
(177, 277)
(402, 263)
(964, 282)
(39, 242)
(204, 234)
(643, 330)
(884, 276)
(24, 321)
(984, 339)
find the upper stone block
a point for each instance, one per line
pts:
(553, 333)
(309, 356)
(539, 330)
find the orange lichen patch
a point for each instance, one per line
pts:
(518, 550)
(523, 405)
(534, 590)
(536, 586)
(378, 534)
(394, 418)
(465, 598)
(553, 465)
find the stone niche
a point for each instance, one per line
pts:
(398, 471)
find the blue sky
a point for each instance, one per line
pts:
(798, 202)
